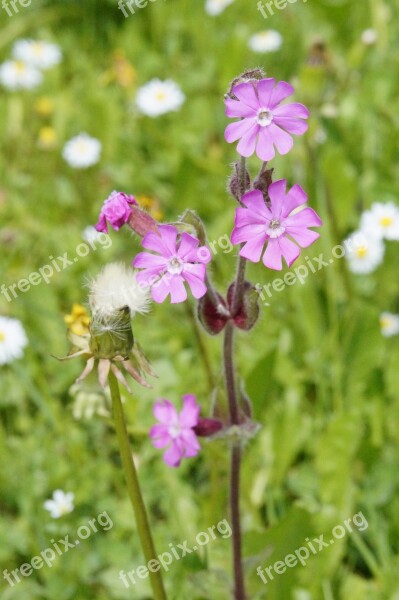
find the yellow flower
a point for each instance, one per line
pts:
(78, 321)
(152, 205)
(44, 106)
(47, 138)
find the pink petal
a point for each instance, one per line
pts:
(165, 412)
(253, 248)
(277, 197)
(188, 243)
(190, 412)
(245, 92)
(149, 276)
(236, 108)
(174, 454)
(195, 276)
(280, 92)
(255, 202)
(265, 88)
(145, 259)
(159, 435)
(294, 126)
(264, 147)
(199, 255)
(178, 292)
(101, 225)
(236, 130)
(294, 110)
(281, 139)
(278, 248)
(191, 444)
(306, 217)
(164, 243)
(247, 232)
(247, 144)
(245, 216)
(160, 290)
(295, 197)
(304, 237)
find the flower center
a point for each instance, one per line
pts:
(174, 431)
(37, 49)
(385, 322)
(361, 251)
(264, 117)
(160, 95)
(175, 266)
(386, 221)
(2, 336)
(275, 229)
(20, 66)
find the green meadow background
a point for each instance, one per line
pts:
(323, 380)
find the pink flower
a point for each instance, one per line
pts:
(174, 263)
(176, 430)
(116, 210)
(257, 224)
(263, 122)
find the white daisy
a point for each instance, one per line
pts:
(115, 287)
(215, 7)
(364, 254)
(159, 97)
(61, 504)
(265, 41)
(12, 340)
(382, 221)
(82, 151)
(42, 55)
(16, 75)
(389, 324)
(369, 37)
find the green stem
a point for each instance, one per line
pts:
(133, 486)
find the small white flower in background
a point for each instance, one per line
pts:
(12, 340)
(82, 151)
(265, 41)
(61, 504)
(215, 7)
(369, 37)
(364, 254)
(159, 97)
(115, 287)
(381, 221)
(16, 75)
(90, 234)
(329, 110)
(389, 324)
(42, 55)
(320, 136)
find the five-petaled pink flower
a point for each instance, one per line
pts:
(176, 262)
(116, 210)
(264, 123)
(176, 430)
(257, 224)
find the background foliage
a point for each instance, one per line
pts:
(323, 380)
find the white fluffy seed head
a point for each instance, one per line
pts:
(116, 286)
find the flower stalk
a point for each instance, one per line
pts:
(134, 490)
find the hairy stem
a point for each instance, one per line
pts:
(133, 486)
(242, 262)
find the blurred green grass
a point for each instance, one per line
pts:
(323, 380)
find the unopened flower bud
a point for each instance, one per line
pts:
(212, 316)
(234, 185)
(262, 183)
(111, 335)
(207, 427)
(141, 222)
(248, 312)
(191, 218)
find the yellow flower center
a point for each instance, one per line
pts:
(37, 49)
(386, 221)
(361, 251)
(19, 66)
(2, 336)
(385, 322)
(160, 95)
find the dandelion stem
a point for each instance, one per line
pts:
(133, 486)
